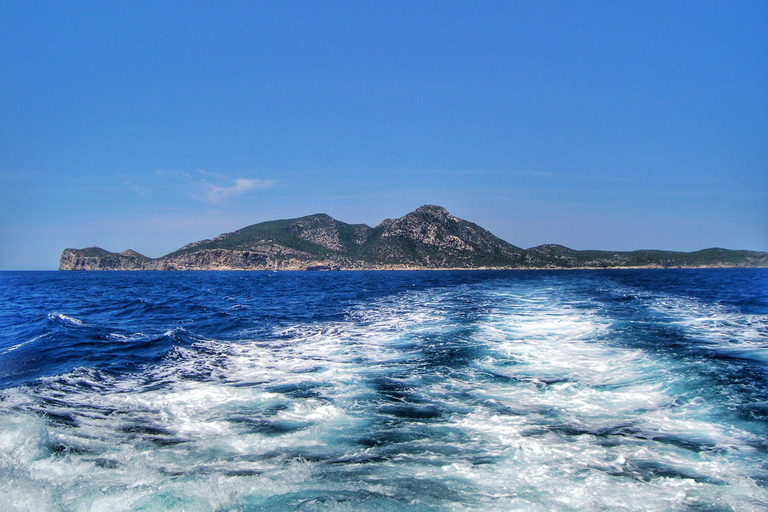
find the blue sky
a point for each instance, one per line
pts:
(597, 125)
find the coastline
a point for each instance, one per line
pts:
(428, 238)
(406, 268)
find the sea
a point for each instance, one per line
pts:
(564, 390)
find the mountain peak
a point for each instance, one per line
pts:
(130, 253)
(432, 210)
(430, 237)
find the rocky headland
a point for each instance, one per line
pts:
(427, 238)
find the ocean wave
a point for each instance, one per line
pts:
(22, 344)
(507, 394)
(63, 319)
(719, 327)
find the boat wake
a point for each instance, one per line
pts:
(534, 392)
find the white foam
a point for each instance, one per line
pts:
(568, 377)
(717, 327)
(66, 319)
(19, 345)
(552, 416)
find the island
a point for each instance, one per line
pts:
(427, 238)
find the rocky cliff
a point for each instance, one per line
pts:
(427, 238)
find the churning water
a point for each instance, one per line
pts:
(520, 390)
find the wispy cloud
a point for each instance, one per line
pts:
(207, 187)
(216, 194)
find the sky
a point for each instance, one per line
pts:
(616, 125)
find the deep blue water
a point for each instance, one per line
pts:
(521, 390)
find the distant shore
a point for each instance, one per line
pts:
(429, 238)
